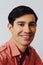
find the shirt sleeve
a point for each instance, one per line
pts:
(0, 63)
(2, 58)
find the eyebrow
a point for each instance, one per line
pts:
(24, 22)
(33, 22)
(20, 22)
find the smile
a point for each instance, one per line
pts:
(26, 36)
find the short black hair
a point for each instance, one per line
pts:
(20, 11)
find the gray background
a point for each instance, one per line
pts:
(6, 6)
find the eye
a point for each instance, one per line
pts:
(33, 24)
(21, 24)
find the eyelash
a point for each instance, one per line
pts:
(32, 24)
(21, 24)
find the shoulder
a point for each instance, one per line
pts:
(30, 48)
(35, 55)
(33, 52)
(4, 51)
(2, 48)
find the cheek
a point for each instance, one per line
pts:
(33, 30)
(16, 30)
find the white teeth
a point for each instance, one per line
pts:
(26, 36)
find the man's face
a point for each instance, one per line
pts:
(24, 29)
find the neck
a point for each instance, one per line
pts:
(21, 47)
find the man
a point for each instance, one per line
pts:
(17, 51)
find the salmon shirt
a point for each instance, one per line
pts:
(10, 55)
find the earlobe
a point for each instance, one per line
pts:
(9, 26)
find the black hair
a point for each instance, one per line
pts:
(20, 11)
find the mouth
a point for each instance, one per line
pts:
(26, 37)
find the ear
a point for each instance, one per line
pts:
(10, 27)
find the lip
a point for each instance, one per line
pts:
(26, 36)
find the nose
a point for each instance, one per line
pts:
(26, 29)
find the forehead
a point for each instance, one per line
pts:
(25, 18)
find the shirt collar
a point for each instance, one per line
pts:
(14, 49)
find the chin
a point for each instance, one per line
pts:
(25, 43)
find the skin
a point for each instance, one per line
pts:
(23, 31)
